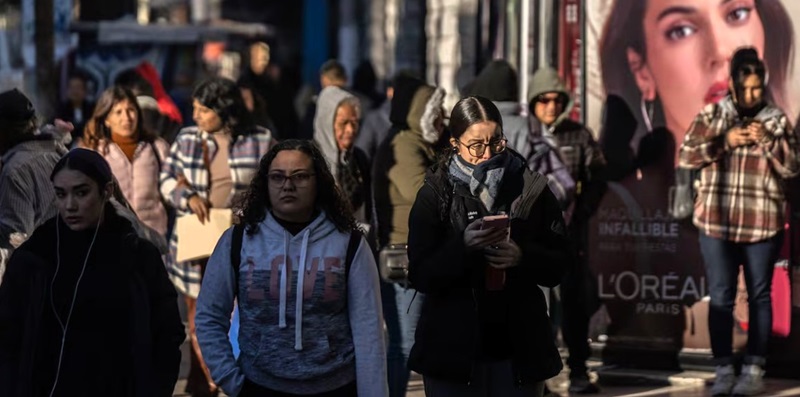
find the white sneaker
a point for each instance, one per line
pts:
(724, 381)
(751, 381)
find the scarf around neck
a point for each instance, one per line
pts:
(485, 179)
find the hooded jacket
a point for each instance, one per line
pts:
(308, 343)
(401, 164)
(575, 143)
(354, 160)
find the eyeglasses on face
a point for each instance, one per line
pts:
(299, 179)
(479, 149)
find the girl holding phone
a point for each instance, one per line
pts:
(478, 335)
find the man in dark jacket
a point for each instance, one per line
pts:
(575, 146)
(28, 157)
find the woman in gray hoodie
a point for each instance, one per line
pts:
(307, 288)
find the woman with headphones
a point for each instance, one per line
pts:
(86, 305)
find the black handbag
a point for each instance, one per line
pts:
(393, 263)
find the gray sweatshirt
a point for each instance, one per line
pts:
(307, 343)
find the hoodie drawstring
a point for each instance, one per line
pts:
(298, 309)
(284, 270)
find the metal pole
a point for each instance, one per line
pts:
(524, 54)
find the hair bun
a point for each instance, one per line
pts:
(743, 56)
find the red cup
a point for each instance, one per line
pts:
(495, 279)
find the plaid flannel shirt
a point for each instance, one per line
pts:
(185, 173)
(740, 193)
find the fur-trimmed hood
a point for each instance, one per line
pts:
(426, 106)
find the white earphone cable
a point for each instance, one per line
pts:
(65, 324)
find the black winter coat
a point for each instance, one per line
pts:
(124, 334)
(448, 336)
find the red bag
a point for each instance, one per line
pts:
(781, 302)
(781, 292)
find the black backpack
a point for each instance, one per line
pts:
(236, 252)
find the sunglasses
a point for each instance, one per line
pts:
(559, 100)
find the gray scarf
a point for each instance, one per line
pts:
(485, 179)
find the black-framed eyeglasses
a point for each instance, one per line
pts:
(479, 149)
(300, 179)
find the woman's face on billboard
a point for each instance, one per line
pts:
(689, 44)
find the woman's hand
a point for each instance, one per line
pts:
(199, 207)
(477, 239)
(737, 136)
(756, 131)
(503, 255)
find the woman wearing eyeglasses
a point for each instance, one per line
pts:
(484, 328)
(307, 289)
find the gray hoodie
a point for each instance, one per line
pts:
(328, 101)
(311, 342)
(355, 181)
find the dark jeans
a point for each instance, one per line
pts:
(491, 379)
(401, 316)
(251, 389)
(575, 318)
(722, 260)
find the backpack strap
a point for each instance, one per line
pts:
(236, 254)
(352, 247)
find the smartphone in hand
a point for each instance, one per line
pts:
(496, 222)
(496, 278)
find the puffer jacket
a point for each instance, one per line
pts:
(138, 179)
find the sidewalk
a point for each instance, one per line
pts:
(613, 382)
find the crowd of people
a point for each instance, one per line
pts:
(377, 236)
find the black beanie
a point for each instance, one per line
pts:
(15, 106)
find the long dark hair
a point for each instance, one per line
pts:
(255, 202)
(223, 97)
(745, 62)
(624, 29)
(468, 111)
(96, 130)
(472, 110)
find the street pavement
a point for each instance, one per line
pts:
(639, 383)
